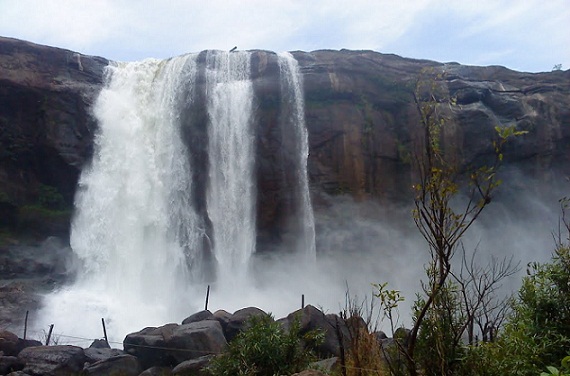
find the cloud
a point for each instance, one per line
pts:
(530, 35)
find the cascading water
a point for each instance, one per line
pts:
(231, 191)
(293, 109)
(138, 232)
(134, 232)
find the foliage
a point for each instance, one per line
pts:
(365, 355)
(439, 349)
(389, 301)
(265, 349)
(563, 371)
(537, 335)
(441, 221)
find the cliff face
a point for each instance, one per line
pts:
(46, 131)
(360, 114)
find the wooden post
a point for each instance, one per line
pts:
(49, 334)
(207, 298)
(302, 301)
(26, 324)
(104, 330)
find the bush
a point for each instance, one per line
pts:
(265, 349)
(537, 334)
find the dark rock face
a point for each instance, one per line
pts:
(360, 115)
(46, 129)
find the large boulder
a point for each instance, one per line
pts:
(52, 360)
(121, 365)
(8, 343)
(172, 344)
(239, 321)
(335, 330)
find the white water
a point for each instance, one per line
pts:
(292, 91)
(231, 191)
(133, 230)
(136, 233)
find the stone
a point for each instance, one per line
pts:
(193, 367)
(95, 354)
(8, 343)
(99, 344)
(52, 360)
(238, 321)
(311, 318)
(121, 365)
(329, 366)
(10, 364)
(172, 344)
(199, 316)
(223, 318)
(157, 371)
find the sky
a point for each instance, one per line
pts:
(525, 35)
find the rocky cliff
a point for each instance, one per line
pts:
(360, 114)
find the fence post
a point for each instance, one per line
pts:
(105, 331)
(26, 324)
(49, 334)
(207, 298)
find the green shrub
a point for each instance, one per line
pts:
(537, 334)
(265, 349)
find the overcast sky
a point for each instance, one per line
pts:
(526, 35)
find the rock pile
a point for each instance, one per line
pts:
(171, 349)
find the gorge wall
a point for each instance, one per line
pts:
(359, 110)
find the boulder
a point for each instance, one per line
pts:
(334, 329)
(99, 344)
(172, 344)
(239, 321)
(52, 360)
(8, 343)
(25, 343)
(330, 365)
(157, 371)
(199, 316)
(121, 365)
(223, 318)
(194, 367)
(94, 354)
(10, 364)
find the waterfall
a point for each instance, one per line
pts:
(231, 191)
(142, 228)
(134, 232)
(293, 109)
